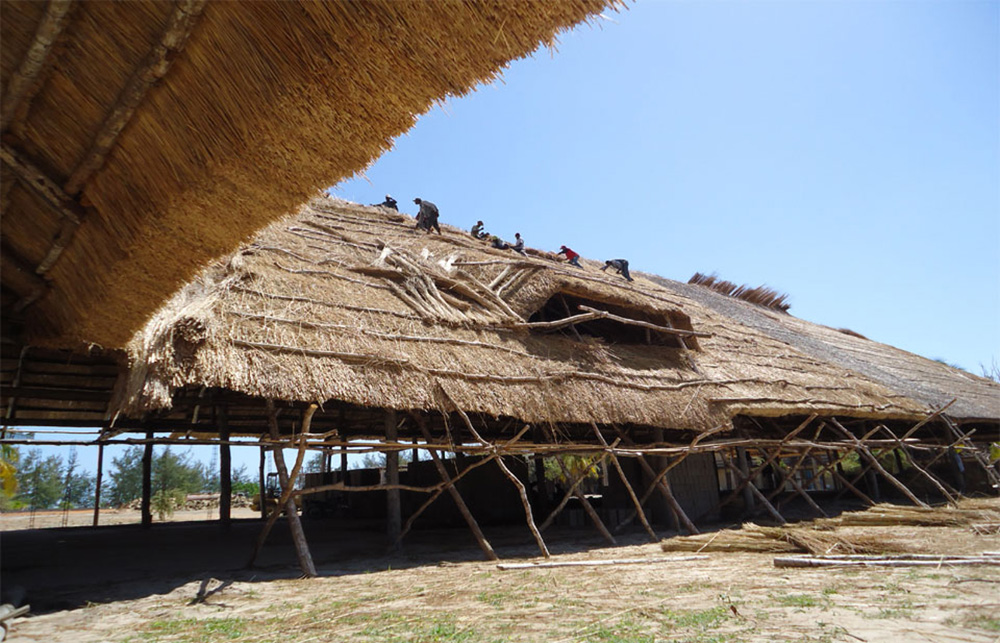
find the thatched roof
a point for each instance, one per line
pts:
(347, 303)
(141, 139)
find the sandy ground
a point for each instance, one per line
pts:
(437, 590)
(11, 521)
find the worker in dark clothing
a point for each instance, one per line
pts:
(571, 257)
(621, 265)
(388, 203)
(478, 232)
(427, 217)
(518, 246)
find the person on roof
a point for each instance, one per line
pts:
(478, 232)
(388, 203)
(518, 246)
(427, 217)
(571, 257)
(621, 265)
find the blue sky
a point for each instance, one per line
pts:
(846, 153)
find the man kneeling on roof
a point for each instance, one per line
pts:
(478, 232)
(388, 203)
(571, 257)
(427, 218)
(621, 265)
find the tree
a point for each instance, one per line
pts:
(244, 482)
(8, 475)
(376, 460)
(126, 477)
(78, 487)
(175, 471)
(40, 480)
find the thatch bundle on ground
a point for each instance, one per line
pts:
(840, 535)
(141, 139)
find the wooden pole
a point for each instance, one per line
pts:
(262, 484)
(661, 484)
(863, 450)
(97, 485)
(594, 518)
(393, 515)
(744, 464)
(913, 463)
(225, 470)
(756, 492)
(570, 492)
(507, 472)
(291, 512)
(457, 497)
(628, 487)
(147, 482)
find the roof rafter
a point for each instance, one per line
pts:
(153, 68)
(24, 83)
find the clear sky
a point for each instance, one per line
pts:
(844, 152)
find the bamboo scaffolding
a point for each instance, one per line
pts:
(875, 463)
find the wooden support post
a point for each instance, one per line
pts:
(992, 470)
(919, 469)
(628, 487)
(287, 481)
(507, 472)
(97, 484)
(741, 455)
(415, 452)
(587, 507)
(262, 483)
(756, 492)
(661, 484)
(456, 496)
(571, 492)
(393, 516)
(147, 481)
(225, 470)
(863, 450)
(871, 482)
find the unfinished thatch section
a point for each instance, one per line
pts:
(141, 139)
(349, 303)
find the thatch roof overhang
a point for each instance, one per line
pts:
(142, 139)
(343, 304)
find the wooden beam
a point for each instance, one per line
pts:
(863, 450)
(628, 487)
(287, 487)
(153, 68)
(225, 469)
(147, 482)
(456, 496)
(393, 514)
(635, 322)
(755, 491)
(25, 81)
(42, 185)
(97, 484)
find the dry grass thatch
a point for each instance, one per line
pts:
(761, 295)
(349, 303)
(839, 535)
(167, 132)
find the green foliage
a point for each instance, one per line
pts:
(126, 477)
(377, 460)
(170, 471)
(40, 480)
(164, 502)
(243, 482)
(575, 465)
(78, 486)
(8, 475)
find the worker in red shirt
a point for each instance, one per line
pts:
(571, 257)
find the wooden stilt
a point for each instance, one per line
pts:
(147, 482)
(628, 487)
(393, 516)
(919, 469)
(225, 469)
(287, 486)
(97, 484)
(262, 488)
(529, 518)
(863, 450)
(661, 484)
(756, 492)
(456, 496)
(570, 492)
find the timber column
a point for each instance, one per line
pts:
(393, 511)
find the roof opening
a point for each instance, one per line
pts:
(585, 319)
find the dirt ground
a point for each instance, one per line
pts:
(12, 521)
(438, 591)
